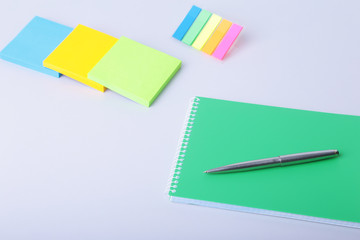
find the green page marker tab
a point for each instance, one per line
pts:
(196, 27)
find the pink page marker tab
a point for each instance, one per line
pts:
(227, 41)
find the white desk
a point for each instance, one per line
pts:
(79, 164)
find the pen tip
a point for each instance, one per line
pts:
(205, 171)
(337, 152)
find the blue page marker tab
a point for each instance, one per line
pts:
(34, 43)
(187, 22)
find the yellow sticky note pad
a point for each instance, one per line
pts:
(79, 53)
(206, 32)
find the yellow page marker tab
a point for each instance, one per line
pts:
(78, 54)
(215, 39)
(206, 32)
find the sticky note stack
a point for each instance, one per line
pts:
(93, 58)
(34, 43)
(79, 53)
(135, 71)
(207, 32)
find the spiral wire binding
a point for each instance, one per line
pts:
(182, 146)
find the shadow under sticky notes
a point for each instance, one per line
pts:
(135, 71)
(34, 43)
(79, 53)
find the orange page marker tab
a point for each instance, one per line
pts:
(215, 39)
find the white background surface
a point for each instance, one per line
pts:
(79, 164)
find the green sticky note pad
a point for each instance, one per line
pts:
(196, 27)
(135, 71)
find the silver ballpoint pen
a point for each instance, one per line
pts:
(280, 161)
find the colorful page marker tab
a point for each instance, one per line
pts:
(206, 32)
(215, 39)
(186, 23)
(135, 71)
(227, 41)
(34, 43)
(196, 27)
(79, 53)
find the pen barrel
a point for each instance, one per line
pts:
(249, 165)
(285, 160)
(300, 158)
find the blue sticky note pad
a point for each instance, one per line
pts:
(187, 22)
(34, 43)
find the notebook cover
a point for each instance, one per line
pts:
(34, 43)
(79, 53)
(219, 132)
(135, 71)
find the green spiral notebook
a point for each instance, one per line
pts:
(219, 132)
